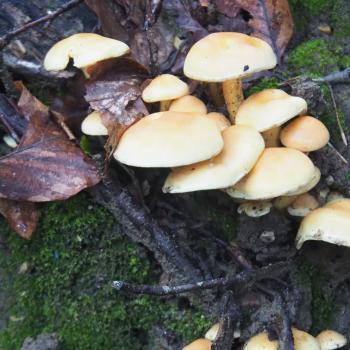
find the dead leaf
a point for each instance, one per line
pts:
(22, 217)
(271, 20)
(46, 166)
(228, 8)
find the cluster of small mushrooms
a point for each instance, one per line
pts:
(258, 156)
(326, 340)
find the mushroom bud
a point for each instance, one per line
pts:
(199, 344)
(92, 125)
(330, 340)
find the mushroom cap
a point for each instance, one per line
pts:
(221, 121)
(330, 340)
(305, 133)
(309, 186)
(169, 139)
(225, 169)
(255, 209)
(330, 223)
(212, 333)
(188, 104)
(302, 341)
(303, 205)
(279, 171)
(163, 88)
(92, 125)
(269, 108)
(227, 55)
(85, 49)
(199, 344)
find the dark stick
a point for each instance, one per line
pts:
(227, 282)
(5, 39)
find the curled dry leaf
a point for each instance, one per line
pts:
(46, 166)
(114, 90)
(270, 20)
(22, 217)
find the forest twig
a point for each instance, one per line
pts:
(338, 153)
(5, 39)
(335, 77)
(245, 276)
(342, 133)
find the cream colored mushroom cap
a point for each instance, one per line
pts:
(303, 205)
(92, 125)
(199, 344)
(188, 104)
(279, 171)
(85, 49)
(212, 333)
(330, 223)
(269, 108)
(227, 55)
(330, 340)
(242, 148)
(302, 341)
(169, 139)
(305, 133)
(220, 120)
(340, 203)
(165, 87)
(309, 186)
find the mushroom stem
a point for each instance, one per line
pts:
(216, 94)
(233, 95)
(164, 105)
(272, 137)
(85, 72)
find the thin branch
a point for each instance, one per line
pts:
(342, 133)
(5, 39)
(338, 153)
(226, 282)
(335, 77)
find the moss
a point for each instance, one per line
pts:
(85, 145)
(323, 307)
(315, 57)
(311, 7)
(265, 83)
(76, 253)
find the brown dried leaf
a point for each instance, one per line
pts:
(271, 20)
(22, 217)
(46, 166)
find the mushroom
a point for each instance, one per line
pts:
(223, 170)
(228, 57)
(199, 344)
(310, 185)
(221, 121)
(283, 202)
(92, 125)
(303, 205)
(331, 223)
(255, 209)
(279, 171)
(10, 141)
(85, 48)
(333, 195)
(305, 133)
(302, 341)
(169, 139)
(272, 137)
(330, 340)
(268, 109)
(188, 104)
(165, 88)
(212, 333)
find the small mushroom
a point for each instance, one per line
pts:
(228, 57)
(303, 205)
(268, 109)
(10, 141)
(305, 133)
(221, 121)
(331, 223)
(85, 49)
(255, 209)
(169, 139)
(199, 344)
(330, 340)
(165, 88)
(279, 171)
(225, 169)
(212, 333)
(92, 125)
(188, 104)
(302, 341)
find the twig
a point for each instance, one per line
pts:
(60, 121)
(338, 153)
(337, 115)
(227, 282)
(335, 77)
(5, 39)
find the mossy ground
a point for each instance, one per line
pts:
(75, 254)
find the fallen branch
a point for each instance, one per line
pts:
(335, 77)
(5, 39)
